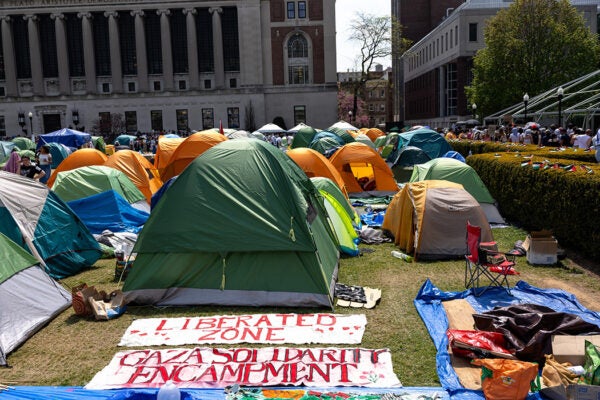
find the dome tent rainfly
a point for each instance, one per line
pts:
(86, 181)
(36, 218)
(270, 128)
(450, 169)
(77, 159)
(23, 314)
(242, 225)
(429, 219)
(139, 170)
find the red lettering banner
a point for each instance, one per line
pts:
(260, 328)
(208, 367)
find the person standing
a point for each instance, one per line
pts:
(30, 170)
(596, 141)
(45, 162)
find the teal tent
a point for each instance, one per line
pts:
(242, 225)
(403, 164)
(325, 142)
(38, 220)
(430, 141)
(124, 139)
(59, 152)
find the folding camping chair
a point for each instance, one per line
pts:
(485, 266)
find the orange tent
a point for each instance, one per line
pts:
(139, 170)
(315, 164)
(79, 158)
(189, 149)
(374, 133)
(164, 151)
(359, 164)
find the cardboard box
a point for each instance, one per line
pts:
(541, 248)
(567, 348)
(572, 392)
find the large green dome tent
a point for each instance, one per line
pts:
(242, 225)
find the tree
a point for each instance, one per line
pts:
(111, 128)
(346, 103)
(531, 46)
(375, 37)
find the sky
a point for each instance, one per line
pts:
(345, 12)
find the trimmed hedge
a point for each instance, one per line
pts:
(481, 147)
(566, 202)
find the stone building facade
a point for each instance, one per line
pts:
(165, 65)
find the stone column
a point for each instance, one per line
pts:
(140, 50)
(35, 55)
(115, 51)
(62, 55)
(192, 47)
(219, 64)
(89, 57)
(8, 49)
(167, 53)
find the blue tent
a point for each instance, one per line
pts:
(108, 210)
(159, 193)
(68, 137)
(427, 140)
(456, 155)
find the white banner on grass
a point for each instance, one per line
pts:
(272, 366)
(260, 328)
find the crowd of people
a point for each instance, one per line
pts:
(532, 133)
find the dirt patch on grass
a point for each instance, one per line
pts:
(589, 300)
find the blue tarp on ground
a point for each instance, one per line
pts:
(68, 137)
(76, 392)
(429, 306)
(108, 210)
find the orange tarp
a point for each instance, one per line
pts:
(79, 158)
(314, 164)
(139, 170)
(188, 150)
(357, 160)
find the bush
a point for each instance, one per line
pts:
(545, 195)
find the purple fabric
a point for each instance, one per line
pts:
(12, 165)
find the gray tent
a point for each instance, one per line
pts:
(29, 297)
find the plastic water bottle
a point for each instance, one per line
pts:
(401, 255)
(168, 391)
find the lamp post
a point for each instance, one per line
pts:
(30, 115)
(525, 101)
(559, 93)
(350, 116)
(474, 109)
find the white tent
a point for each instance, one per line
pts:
(343, 125)
(270, 128)
(297, 127)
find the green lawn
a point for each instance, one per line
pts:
(71, 349)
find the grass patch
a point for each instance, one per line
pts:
(71, 349)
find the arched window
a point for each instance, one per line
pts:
(297, 60)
